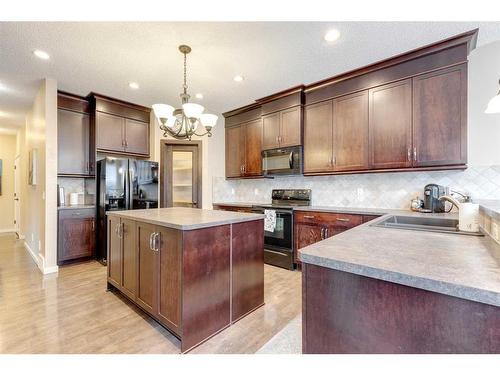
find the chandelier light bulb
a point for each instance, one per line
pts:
(193, 110)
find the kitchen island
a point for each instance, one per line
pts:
(194, 271)
(383, 290)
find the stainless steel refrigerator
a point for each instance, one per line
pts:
(123, 184)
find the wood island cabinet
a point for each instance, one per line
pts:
(188, 279)
(76, 234)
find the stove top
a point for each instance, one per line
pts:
(289, 198)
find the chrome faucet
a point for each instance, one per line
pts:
(450, 199)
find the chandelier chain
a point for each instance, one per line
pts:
(185, 75)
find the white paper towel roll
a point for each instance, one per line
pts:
(468, 217)
(73, 199)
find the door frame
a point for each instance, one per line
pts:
(17, 194)
(164, 143)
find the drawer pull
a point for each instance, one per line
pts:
(308, 216)
(343, 219)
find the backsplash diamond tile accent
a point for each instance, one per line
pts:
(377, 190)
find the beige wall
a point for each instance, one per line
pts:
(38, 224)
(7, 155)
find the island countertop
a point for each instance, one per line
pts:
(186, 218)
(458, 265)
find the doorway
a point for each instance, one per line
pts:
(181, 174)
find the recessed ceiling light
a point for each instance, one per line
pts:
(332, 35)
(199, 96)
(238, 78)
(41, 54)
(133, 85)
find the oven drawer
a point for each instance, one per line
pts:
(327, 218)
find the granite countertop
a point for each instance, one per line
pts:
(76, 207)
(186, 218)
(491, 207)
(457, 265)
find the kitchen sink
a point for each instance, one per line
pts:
(428, 224)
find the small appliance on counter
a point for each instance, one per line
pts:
(432, 193)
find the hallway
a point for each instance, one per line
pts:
(71, 312)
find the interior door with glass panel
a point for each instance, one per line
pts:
(183, 176)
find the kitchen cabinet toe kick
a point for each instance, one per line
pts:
(195, 283)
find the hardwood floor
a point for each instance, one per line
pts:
(72, 313)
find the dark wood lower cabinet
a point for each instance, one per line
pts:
(76, 234)
(311, 227)
(348, 313)
(194, 282)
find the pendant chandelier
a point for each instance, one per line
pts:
(189, 120)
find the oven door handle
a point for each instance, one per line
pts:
(290, 160)
(275, 252)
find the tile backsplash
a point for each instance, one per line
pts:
(378, 190)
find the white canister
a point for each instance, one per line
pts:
(468, 217)
(73, 199)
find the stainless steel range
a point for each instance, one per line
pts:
(278, 234)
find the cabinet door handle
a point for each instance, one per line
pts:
(151, 241)
(409, 154)
(157, 241)
(414, 153)
(93, 225)
(322, 233)
(334, 161)
(343, 219)
(326, 233)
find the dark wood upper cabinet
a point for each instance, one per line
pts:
(75, 136)
(73, 131)
(391, 125)
(270, 131)
(440, 117)
(110, 132)
(291, 127)
(244, 143)
(350, 132)
(121, 127)
(76, 234)
(235, 151)
(282, 129)
(253, 146)
(318, 137)
(136, 137)
(405, 112)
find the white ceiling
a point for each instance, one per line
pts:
(104, 57)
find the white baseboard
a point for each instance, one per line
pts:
(11, 230)
(40, 261)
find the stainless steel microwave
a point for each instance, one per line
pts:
(282, 161)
